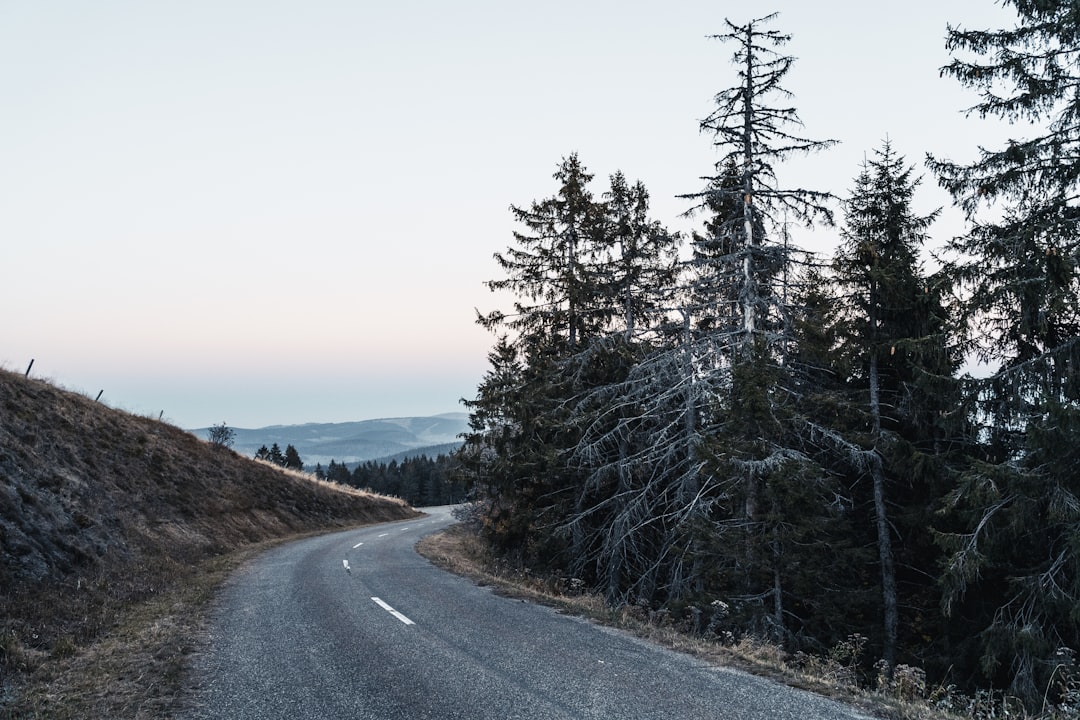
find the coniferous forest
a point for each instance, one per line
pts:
(782, 444)
(418, 480)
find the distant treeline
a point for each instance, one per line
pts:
(420, 481)
(288, 459)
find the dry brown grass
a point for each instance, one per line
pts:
(461, 551)
(115, 530)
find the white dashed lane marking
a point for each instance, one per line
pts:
(392, 611)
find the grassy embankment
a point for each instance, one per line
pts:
(115, 531)
(838, 675)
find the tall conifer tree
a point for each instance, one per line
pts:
(640, 270)
(754, 129)
(551, 268)
(890, 334)
(522, 417)
(1014, 568)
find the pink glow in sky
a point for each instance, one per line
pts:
(274, 213)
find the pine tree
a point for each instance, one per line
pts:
(275, 455)
(576, 271)
(890, 333)
(292, 459)
(744, 358)
(640, 271)
(1012, 567)
(753, 133)
(552, 262)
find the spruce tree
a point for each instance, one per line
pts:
(752, 443)
(579, 269)
(1012, 579)
(615, 453)
(511, 452)
(292, 459)
(753, 130)
(640, 267)
(713, 271)
(551, 266)
(636, 454)
(335, 472)
(889, 330)
(522, 406)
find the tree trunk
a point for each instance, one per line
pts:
(778, 595)
(884, 541)
(749, 291)
(615, 563)
(690, 486)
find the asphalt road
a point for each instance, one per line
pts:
(297, 635)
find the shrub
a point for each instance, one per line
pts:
(221, 435)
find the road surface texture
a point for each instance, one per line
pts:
(357, 626)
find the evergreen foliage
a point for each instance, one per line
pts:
(788, 440)
(289, 459)
(766, 485)
(896, 368)
(337, 472)
(420, 481)
(1010, 581)
(640, 256)
(553, 264)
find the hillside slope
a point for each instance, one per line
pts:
(101, 510)
(352, 442)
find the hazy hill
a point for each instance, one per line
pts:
(352, 442)
(101, 511)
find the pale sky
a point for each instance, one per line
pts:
(261, 212)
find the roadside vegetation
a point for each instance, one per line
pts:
(115, 530)
(840, 673)
(779, 446)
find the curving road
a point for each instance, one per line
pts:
(357, 626)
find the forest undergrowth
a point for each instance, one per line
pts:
(844, 672)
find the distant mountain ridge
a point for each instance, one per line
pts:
(353, 442)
